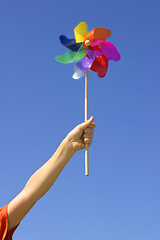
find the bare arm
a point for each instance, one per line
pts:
(42, 180)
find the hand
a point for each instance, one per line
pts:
(81, 135)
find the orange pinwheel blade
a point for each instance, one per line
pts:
(97, 34)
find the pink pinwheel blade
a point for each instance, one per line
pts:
(108, 49)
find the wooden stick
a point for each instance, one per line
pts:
(86, 118)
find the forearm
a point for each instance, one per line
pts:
(42, 180)
(38, 184)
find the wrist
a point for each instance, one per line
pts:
(68, 146)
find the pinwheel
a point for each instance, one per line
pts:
(91, 51)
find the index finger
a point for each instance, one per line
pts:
(93, 125)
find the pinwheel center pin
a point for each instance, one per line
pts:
(87, 43)
(93, 58)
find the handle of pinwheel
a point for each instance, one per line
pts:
(86, 118)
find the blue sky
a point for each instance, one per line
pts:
(40, 103)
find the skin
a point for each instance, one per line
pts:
(43, 179)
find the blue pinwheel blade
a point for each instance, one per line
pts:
(70, 43)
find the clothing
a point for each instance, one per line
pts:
(4, 235)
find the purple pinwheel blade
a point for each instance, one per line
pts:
(108, 49)
(82, 67)
(78, 73)
(91, 54)
(70, 43)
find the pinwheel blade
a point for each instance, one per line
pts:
(100, 66)
(71, 56)
(78, 73)
(80, 31)
(82, 67)
(108, 49)
(70, 43)
(97, 34)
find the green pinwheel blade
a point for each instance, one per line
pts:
(70, 56)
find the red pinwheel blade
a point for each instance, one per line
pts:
(100, 65)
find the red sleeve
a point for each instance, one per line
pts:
(4, 224)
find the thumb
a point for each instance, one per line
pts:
(86, 124)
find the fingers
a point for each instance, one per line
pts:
(89, 130)
(88, 134)
(87, 141)
(88, 123)
(87, 138)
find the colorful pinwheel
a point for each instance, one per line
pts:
(91, 51)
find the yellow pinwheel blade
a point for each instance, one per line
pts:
(80, 31)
